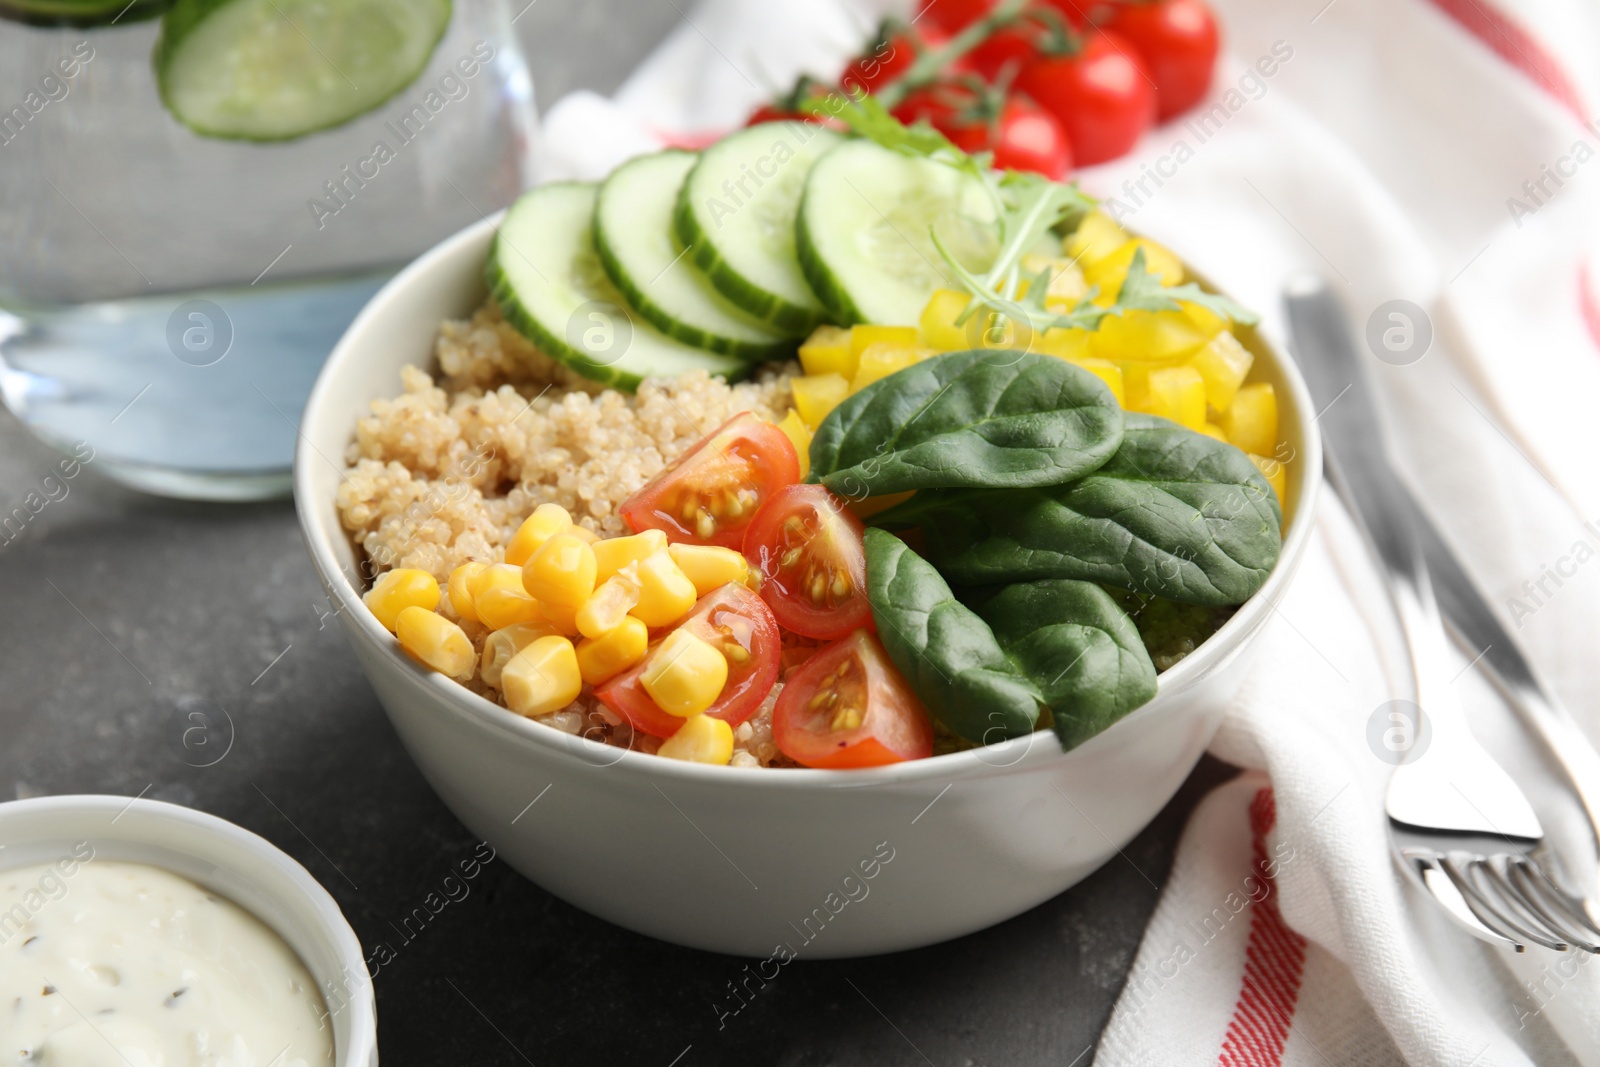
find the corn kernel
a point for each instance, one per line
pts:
(615, 553)
(394, 591)
(938, 321)
(1150, 336)
(665, 593)
(542, 678)
(1062, 343)
(1276, 473)
(460, 588)
(500, 646)
(1096, 237)
(701, 739)
(1251, 421)
(605, 657)
(609, 606)
(546, 521)
(817, 394)
(827, 351)
(1107, 372)
(500, 599)
(685, 674)
(1223, 362)
(710, 567)
(863, 337)
(434, 641)
(1179, 394)
(799, 435)
(1211, 429)
(561, 573)
(1108, 274)
(584, 534)
(883, 359)
(1067, 285)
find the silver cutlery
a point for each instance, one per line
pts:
(1459, 826)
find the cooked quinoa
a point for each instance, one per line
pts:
(445, 472)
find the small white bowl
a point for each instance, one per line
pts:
(753, 861)
(232, 861)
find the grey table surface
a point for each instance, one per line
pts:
(142, 637)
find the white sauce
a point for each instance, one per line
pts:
(122, 965)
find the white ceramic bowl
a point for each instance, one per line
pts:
(216, 854)
(743, 861)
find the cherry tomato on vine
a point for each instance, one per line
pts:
(1011, 46)
(848, 707)
(738, 624)
(709, 496)
(890, 56)
(1178, 41)
(1102, 96)
(772, 113)
(950, 15)
(1025, 136)
(812, 560)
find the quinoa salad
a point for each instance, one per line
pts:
(776, 497)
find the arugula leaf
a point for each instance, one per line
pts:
(1143, 291)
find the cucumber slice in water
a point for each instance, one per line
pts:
(271, 70)
(862, 234)
(633, 234)
(736, 215)
(545, 275)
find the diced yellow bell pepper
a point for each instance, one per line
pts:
(1067, 284)
(542, 678)
(605, 657)
(1152, 336)
(1071, 345)
(1107, 274)
(1211, 429)
(700, 739)
(615, 553)
(883, 359)
(799, 435)
(665, 593)
(685, 674)
(1251, 421)
(827, 351)
(1096, 237)
(817, 394)
(939, 329)
(1223, 362)
(710, 567)
(1135, 384)
(434, 641)
(863, 337)
(1276, 473)
(1205, 320)
(546, 521)
(1179, 394)
(1107, 372)
(394, 591)
(460, 589)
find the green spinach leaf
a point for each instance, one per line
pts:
(1081, 650)
(995, 418)
(1173, 514)
(945, 651)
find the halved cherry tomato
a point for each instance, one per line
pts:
(710, 494)
(1102, 95)
(812, 560)
(1022, 137)
(1178, 42)
(731, 619)
(848, 707)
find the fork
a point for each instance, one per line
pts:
(1459, 826)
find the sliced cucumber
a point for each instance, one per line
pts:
(83, 13)
(270, 70)
(736, 214)
(545, 275)
(633, 234)
(862, 234)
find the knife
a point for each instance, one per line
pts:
(1327, 355)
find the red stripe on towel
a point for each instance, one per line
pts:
(1517, 47)
(1274, 964)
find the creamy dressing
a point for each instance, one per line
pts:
(123, 965)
